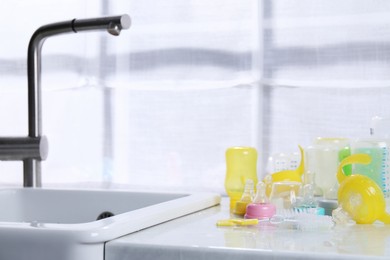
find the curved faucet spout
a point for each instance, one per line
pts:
(112, 24)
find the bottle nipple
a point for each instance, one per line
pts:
(260, 197)
(246, 198)
(249, 191)
(260, 208)
(308, 196)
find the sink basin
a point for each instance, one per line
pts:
(75, 224)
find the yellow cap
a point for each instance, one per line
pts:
(240, 208)
(233, 202)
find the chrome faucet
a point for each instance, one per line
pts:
(34, 148)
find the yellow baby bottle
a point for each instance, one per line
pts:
(240, 166)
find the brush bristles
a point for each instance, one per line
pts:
(302, 220)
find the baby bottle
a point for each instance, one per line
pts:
(240, 166)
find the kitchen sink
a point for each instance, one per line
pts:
(38, 223)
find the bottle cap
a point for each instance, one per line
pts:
(328, 206)
(260, 210)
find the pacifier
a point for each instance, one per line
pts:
(285, 175)
(359, 196)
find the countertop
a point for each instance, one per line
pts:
(196, 236)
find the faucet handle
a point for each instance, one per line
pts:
(21, 148)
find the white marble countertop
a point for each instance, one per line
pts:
(196, 236)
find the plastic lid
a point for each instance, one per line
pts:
(240, 208)
(260, 210)
(328, 204)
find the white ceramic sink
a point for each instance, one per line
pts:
(47, 223)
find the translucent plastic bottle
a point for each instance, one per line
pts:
(378, 169)
(241, 163)
(322, 159)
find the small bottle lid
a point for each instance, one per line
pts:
(328, 205)
(260, 210)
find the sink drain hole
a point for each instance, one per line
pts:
(105, 214)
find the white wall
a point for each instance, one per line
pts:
(156, 106)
